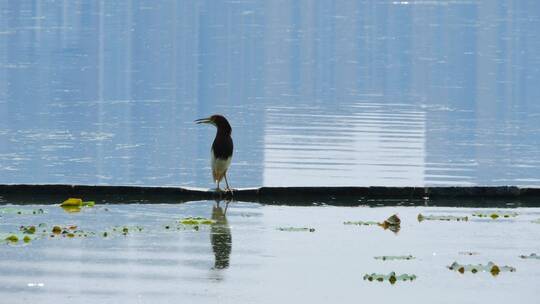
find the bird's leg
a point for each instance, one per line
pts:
(218, 189)
(227, 183)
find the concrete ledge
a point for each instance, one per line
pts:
(350, 196)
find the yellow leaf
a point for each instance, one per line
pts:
(72, 202)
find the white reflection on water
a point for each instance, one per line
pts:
(363, 144)
(399, 93)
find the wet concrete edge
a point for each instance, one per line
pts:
(54, 193)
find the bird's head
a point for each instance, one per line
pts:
(217, 120)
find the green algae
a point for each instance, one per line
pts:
(394, 257)
(391, 277)
(490, 267)
(296, 229)
(422, 217)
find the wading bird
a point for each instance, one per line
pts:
(222, 148)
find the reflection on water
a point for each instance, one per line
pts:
(220, 236)
(158, 265)
(345, 93)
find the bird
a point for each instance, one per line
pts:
(222, 148)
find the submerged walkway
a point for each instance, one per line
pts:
(349, 196)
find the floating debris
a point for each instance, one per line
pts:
(393, 223)
(468, 253)
(422, 217)
(530, 256)
(196, 221)
(391, 277)
(491, 267)
(394, 257)
(296, 229)
(495, 215)
(19, 211)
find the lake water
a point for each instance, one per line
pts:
(244, 258)
(318, 93)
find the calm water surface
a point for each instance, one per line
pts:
(318, 93)
(244, 258)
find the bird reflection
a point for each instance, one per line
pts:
(220, 236)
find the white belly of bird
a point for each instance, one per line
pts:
(219, 167)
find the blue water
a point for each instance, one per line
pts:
(318, 92)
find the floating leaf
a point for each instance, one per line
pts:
(56, 230)
(530, 256)
(391, 277)
(12, 238)
(73, 205)
(491, 267)
(394, 257)
(296, 229)
(72, 202)
(422, 217)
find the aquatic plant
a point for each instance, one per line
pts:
(21, 211)
(491, 267)
(13, 238)
(394, 257)
(392, 223)
(391, 277)
(196, 221)
(422, 217)
(495, 215)
(296, 229)
(530, 256)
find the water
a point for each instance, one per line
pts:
(327, 93)
(244, 258)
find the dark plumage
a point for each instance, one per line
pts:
(222, 147)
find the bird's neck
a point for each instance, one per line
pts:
(223, 132)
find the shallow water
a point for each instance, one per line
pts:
(319, 93)
(244, 258)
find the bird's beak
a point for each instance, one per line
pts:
(203, 120)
